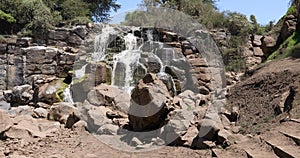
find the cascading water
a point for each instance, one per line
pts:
(80, 72)
(68, 95)
(125, 63)
(101, 43)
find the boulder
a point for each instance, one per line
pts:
(95, 116)
(4, 105)
(65, 113)
(59, 34)
(256, 40)
(108, 129)
(40, 113)
(95, 74)
(74, 39)
(25, 127)
(81, 125)
(51, 92)
(268, 45)
(5, 121)
(80, 31)
(149, 104)
(21, 110)
(209, 128)
(106, 95)
(258, 51)
(223, 136)
(286, 101)
(20, 95)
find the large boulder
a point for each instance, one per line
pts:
(268, 45)
(149, 104)
(51, 92)
(92, 75)
(106, 95)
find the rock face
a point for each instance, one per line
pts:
(95, 74)
(149, 104)
(289, 27)
(268, 44)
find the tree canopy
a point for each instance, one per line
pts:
(17, 15)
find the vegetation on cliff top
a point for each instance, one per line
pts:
(28, 15)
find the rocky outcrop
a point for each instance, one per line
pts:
(289, 27)
(150, 104)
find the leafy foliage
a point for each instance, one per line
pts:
(7, 17)
(30, 15)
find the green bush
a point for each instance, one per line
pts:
(7, 17)
(292, 11)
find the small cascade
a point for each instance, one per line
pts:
(149, 34)
(80, 72)
(101, 43)
(125, 63)
(68, 95)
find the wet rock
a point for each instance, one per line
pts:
(94, 75)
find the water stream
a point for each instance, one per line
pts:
(127, 66)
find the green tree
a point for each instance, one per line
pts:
(100, 9)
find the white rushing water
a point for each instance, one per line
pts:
(101, 43)
(68, 95)
(79, 73)
(125, 63)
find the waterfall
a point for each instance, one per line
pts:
(101, 43)
(68, 95)
(149, 34)
(80, 72)
(125, 63)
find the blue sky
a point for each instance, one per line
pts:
(264, 10)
